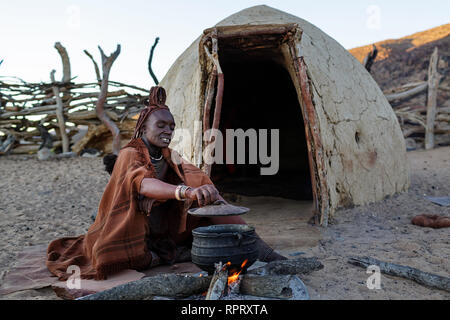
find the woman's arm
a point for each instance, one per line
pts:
(157, 189)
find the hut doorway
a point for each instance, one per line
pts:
(260, 94)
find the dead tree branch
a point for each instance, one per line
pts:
(107, 63)
(65, 62)
(370, 58)
(150, 59)
(97, 71)
(60, 114)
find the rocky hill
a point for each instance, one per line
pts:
(405, 61)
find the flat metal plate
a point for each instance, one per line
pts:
(219, 208)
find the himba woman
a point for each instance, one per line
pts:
(142, 218)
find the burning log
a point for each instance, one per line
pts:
(218, 282)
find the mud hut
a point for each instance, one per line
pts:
(340, 143)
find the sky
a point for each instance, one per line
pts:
(29, 30)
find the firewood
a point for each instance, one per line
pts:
(218, 282)
(167, 285)
(421, 277)
(290, 266)
(274, 286)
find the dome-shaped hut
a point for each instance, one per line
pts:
(340, 142)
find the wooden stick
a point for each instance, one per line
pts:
(150, 59)
(106, 66)
(208, 101)
(214, 56)
(408, 93)
(433, 83)
(370, 58)
(65, 62)
(60, 115)
(424, 278)
(97, 71)
(218, 283)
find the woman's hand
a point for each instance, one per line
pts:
(206, 194)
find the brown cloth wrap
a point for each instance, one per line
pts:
(117, 239)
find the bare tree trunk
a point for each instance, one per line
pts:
(433, 83)
(100, 109)
(60, 115)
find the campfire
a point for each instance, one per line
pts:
(233, 276)
(242, 281)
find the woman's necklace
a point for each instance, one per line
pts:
(156, 159)
(150, 149)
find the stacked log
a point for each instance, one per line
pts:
(424, 125)
(25, 106)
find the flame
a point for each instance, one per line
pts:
(235, 275)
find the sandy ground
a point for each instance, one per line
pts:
(42, 201)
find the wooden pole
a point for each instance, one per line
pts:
(99, 108)
(214, 56)
(65, 62)
(60, 114)
(433, 83)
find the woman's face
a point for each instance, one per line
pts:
(159, 127)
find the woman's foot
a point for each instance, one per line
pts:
(266, 253)
(156, 260)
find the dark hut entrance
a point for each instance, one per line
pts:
(259, 94)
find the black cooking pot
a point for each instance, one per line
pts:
(226, 243)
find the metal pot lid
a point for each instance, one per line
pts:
(218, 208)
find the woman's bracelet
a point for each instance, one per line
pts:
(180, 192)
